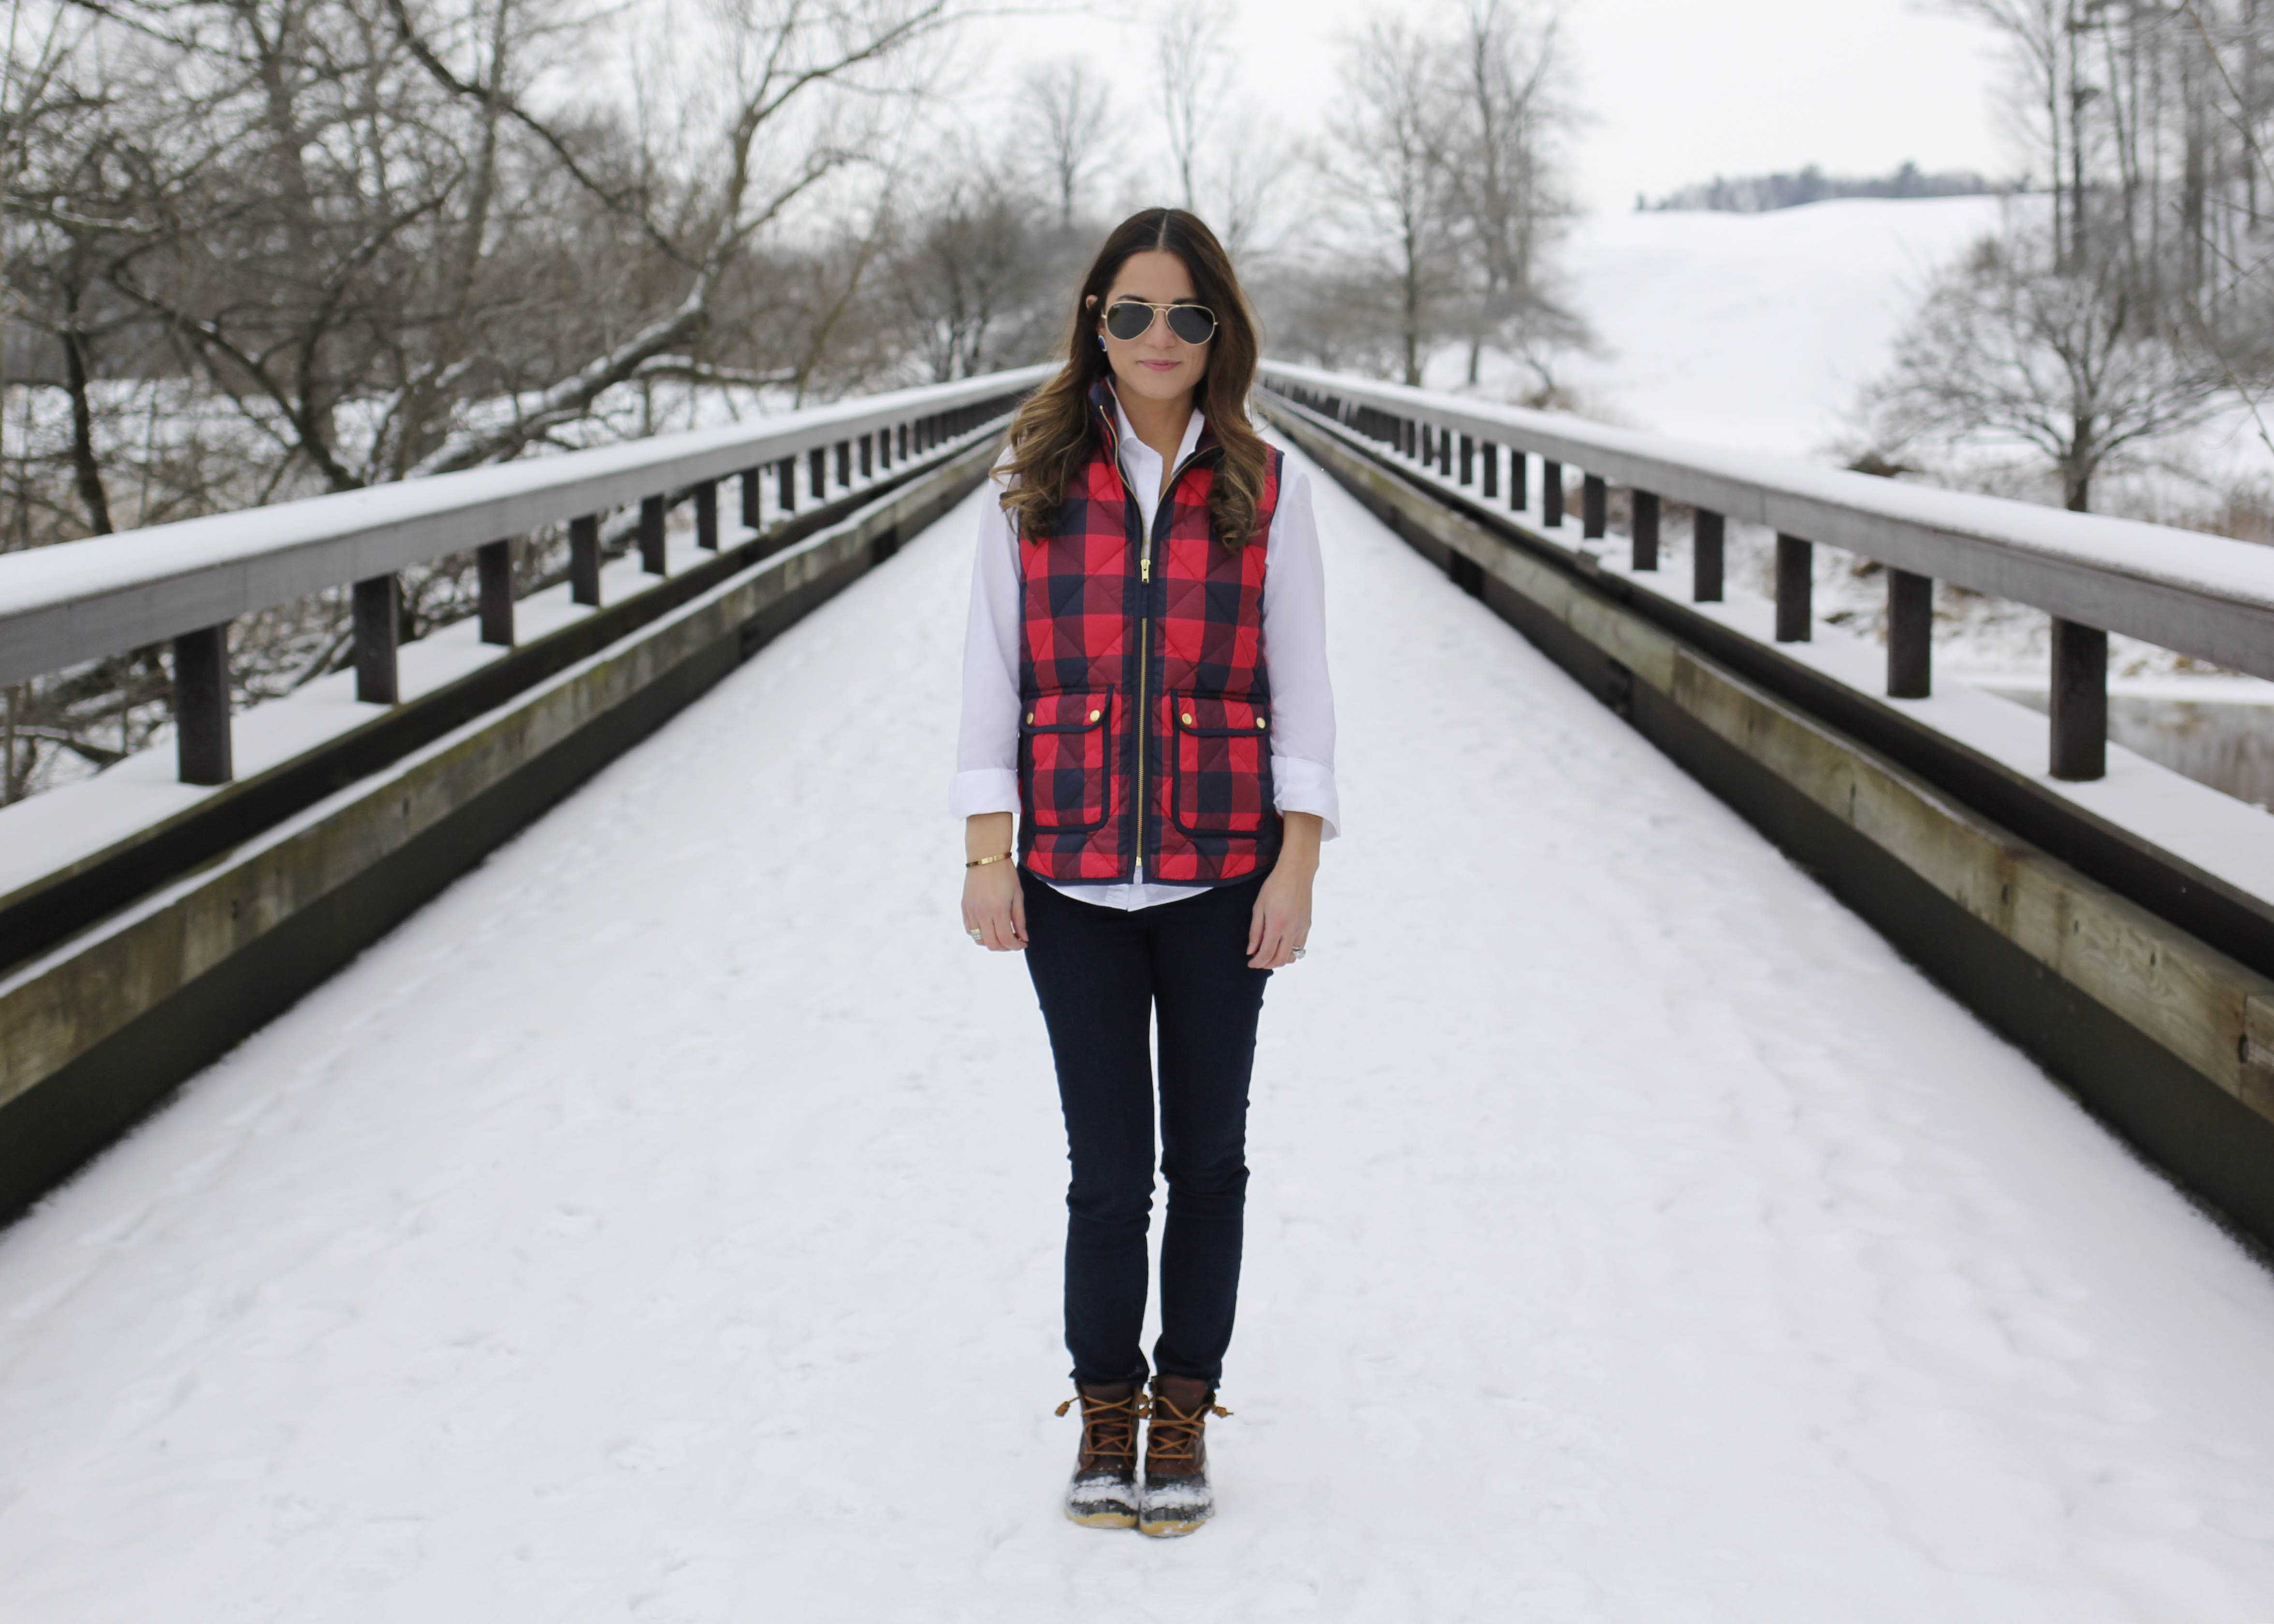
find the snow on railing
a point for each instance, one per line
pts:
(2209, 597)
(185, 581)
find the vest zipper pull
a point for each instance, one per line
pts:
(1145, 568)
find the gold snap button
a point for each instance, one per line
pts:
(1259, 721)
(1030, 718)
(1188, 719)
(1095, 714)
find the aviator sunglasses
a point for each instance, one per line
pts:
(1128, 319)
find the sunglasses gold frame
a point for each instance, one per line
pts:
(1158, 312)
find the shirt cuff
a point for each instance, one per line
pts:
(983, 789)
(1301, 785)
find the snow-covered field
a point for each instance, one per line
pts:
(664, 1224)
(1754, 330)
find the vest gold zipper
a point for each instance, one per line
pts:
(1144, 627)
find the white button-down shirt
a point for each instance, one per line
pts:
(1294, 660)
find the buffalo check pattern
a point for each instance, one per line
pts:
(1099, 642)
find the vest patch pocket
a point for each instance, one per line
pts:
(1062, 743)
(1221, 764)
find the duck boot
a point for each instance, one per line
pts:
(1102, 1492)
(1176, 1497)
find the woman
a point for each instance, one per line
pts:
(1145, 683)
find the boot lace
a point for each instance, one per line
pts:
(1109, 1426)
(1174, 1437)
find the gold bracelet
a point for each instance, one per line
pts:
(978, 862)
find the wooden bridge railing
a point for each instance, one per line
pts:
(2204, 596)
(187, 581)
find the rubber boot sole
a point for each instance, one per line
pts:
(1168, 1527)
(1102, 1519)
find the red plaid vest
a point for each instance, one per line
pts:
(1145, 714)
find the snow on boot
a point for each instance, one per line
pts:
(1176, 1497)
(1103, 1491)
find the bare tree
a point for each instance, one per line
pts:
(1071, 110)
(1506, 118)
(2147, 294)
(1383, 165)
(781, 54)
(969, 272)
(2069, 363)
(1192, 57)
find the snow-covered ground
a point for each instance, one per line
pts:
(665, 1223)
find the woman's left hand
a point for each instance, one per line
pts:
(1282, 920)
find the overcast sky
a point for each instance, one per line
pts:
(1680, 90)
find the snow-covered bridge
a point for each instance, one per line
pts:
(663, 1220)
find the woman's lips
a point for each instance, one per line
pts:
(1160, 366)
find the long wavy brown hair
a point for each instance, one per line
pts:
(1051, 433)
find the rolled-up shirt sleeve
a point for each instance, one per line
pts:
(987, 746)
(1295, 656)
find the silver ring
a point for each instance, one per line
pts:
(1299, 952)
(975, 936)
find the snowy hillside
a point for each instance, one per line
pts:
(1750, 330)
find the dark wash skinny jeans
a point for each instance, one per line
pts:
(1101, 974)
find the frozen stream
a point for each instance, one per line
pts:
(664, 1224)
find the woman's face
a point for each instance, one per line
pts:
(1156, 363)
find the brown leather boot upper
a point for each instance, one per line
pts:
(1109, 1429)
(1176, 1443)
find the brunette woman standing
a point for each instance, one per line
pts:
(1145, 685)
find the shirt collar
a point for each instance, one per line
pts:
(1127, 436)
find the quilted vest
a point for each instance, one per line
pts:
(1144, 712)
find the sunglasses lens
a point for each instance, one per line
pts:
(1126, 320)
(1192, 323)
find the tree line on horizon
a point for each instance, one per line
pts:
(1760, 194)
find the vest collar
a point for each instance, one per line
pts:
(1113, 422)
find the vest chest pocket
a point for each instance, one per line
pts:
(1064, 762)
(1221, 764)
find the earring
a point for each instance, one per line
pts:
(1101, 341)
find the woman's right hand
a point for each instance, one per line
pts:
(995, 907)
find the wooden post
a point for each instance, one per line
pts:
(1595, 500)
(1796, 588)
(2079, 702)
(650, 535)
(1645, 530)
(585, 560)
(1412, 438)
(1491, 452)
(818, 465)
(845, 464)
(378, 629)
(754, 501)
(202, 739)
(1551, 493)
(1519, 480)
(1707, 536)
(1911, 635)
(867, 467)
(1445, 452)
(706, 515)
(493, 567)
(1428, 446)
(786, 485)
(1468, 459)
